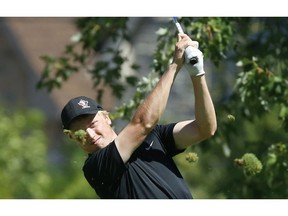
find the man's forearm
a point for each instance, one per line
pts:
(150, 111)
(204, 109)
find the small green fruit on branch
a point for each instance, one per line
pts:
(250, 163)
(192, 157)
(231, 117)
(79, 135)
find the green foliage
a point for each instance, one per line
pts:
(68, 179)
(260, 89)
(276, 166)
(79, 135)
(23, 155)
(215, 35)
(145, 85)
(82, 54)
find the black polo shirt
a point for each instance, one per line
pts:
(150, 172)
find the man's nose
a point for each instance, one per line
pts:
(91, 133)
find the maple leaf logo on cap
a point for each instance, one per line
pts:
(83, 104)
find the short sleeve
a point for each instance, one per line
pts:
(104, 168)
(165, 133)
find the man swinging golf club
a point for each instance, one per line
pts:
(138, 162)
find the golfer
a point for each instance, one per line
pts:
(138, 162)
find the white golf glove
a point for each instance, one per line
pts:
(194, 61)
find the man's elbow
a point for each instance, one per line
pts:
(209, 132)
(213, 130)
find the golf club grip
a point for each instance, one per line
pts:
(178, 26)
(192, 59)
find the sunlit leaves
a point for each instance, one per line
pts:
(214, 34)
(260, 89)
(145, 85)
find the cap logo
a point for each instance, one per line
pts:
(83, 104)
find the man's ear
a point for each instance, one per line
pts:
(109, 121)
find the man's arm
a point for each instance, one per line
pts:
(146, 116)
(193, 131)
(149, 112)
(189, 132)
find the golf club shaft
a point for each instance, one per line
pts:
(178, 26)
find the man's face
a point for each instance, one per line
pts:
(98, 131)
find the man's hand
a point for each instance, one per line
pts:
(187, 52)
(194, 60)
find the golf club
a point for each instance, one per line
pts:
(189, 50)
